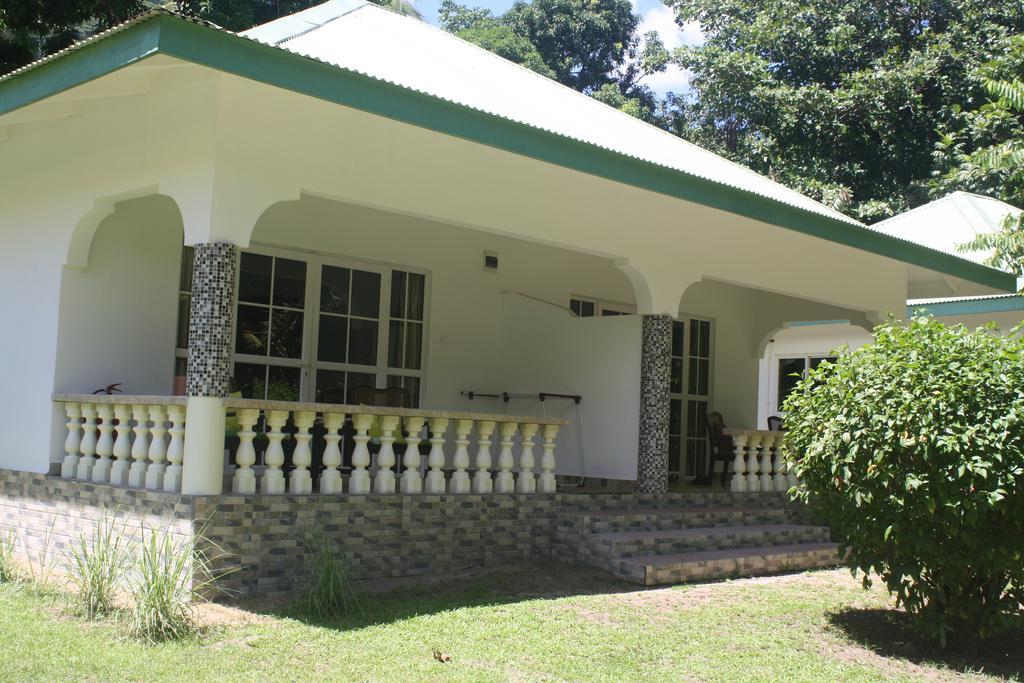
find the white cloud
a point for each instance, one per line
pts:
(661, 18)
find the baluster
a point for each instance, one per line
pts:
(753, 483)
(436, 459)
(460, 460)
(330, 480)
(157, 447)
(244, 479)
(140, 447)
(359, 480)
(412, 481)
(482, 482)
(176, 448)
(547, 483)
(738, 484)
(105, 444)
(525, 482)
(765, 466)
(504, 481)
(300, 481)
(88, 445)
(384, 480)
(273, 477)
(73, 442)
(122, 446)
(779, 469)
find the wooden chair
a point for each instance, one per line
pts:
(774, 423)
(720, 446)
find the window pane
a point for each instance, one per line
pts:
(334, 289)
(694, 337)
(790, 372)
(362, 342)
(815, 362)
(398, 300)
(285, 334)
(330, 386)
(180, 367)
(417, 295)
(413, 342)
(254, 278)
(677, 376)
(251, 330)
(587, 309)
(574, 305)
(673, 453)
(677, 338)
(184, 301)
(692, 380)
(188, 260)
(283, 384)
(396, 344)
(608, 311)
(705, 339)
(332, 339)
(251, 380)
(675, 417)
(703, 373)
(411, 386)
(290, 283)
(365, 293)
(359, 379)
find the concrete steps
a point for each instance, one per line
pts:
(679, 538)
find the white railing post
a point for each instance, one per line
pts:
(525, 482)
(384, 479)
(273, 477)
(157, 448)
(122, 446)
(176, 448)
(547, 483)
(300, 481)
(359, 480)
(435, 461)
(105, 444)
(504, 480)
(140, 447)
(765, 466)
(412, 481)
(330, 480)
(244, 479)
(88, 445)
(753, 483)
(460, 459)
(73, 442)
(779, 467)
(482, 481)
(738, 483)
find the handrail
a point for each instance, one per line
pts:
(114, 399)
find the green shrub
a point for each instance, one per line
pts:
(331, 594)
(913, 447)
(8, 570)
(97, 563)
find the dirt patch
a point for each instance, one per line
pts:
(212, 614)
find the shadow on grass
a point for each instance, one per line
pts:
(888, 633)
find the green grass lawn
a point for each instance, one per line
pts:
(538, 623)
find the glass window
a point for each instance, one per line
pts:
(254, 275)
(262, 329)
(791, 371)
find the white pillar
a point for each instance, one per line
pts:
(435, 461)
(482, 482)
(73, 441)
(547, 482)
(330, 480)
(412, 481)
(359, 480)
(753, 483)
(88, 445)
(460, 460)
(384, 480)
(157, 448)
(273, 477)
(779, 482)
(300, 482)
(173, 477)
(122, 446)
(105, 444)
(140, 447)
(525, 482)
(765, 466)
(244, 479)
(504, 481)
(738, 483)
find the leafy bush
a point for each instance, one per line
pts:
(914, 449)
(331, 594)
(97, 565)
(8, 571)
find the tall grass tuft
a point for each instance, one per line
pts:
(331, 594)
(8, 572)
(42, 565)
(97, 568)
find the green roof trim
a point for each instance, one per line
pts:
(217, 49)
(992, 304)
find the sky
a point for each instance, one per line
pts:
(654, 16)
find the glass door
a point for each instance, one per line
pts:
(689, 396)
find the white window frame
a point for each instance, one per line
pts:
(601, 304)
(773, 375)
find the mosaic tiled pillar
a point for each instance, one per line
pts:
(211, 319)
(655, 368)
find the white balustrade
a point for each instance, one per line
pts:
(765, 482)
(738, 484)
(88, 445)
(300, 481)
(122, 446)
(384, 480)
(779, 483)
(482, 482)
(412, 480)
(436, 460)
(359, 480)
(157, 448)
(273, 476)
(753, 481)
(504, 480)
(547, 482)
(244, 479)
(175, 449)
(140, 447)
(330, 480)
(460, 460)
(525, 482)
(105, 443)
(73, 442)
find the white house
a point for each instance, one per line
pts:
(350, 198)
(945, 225)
